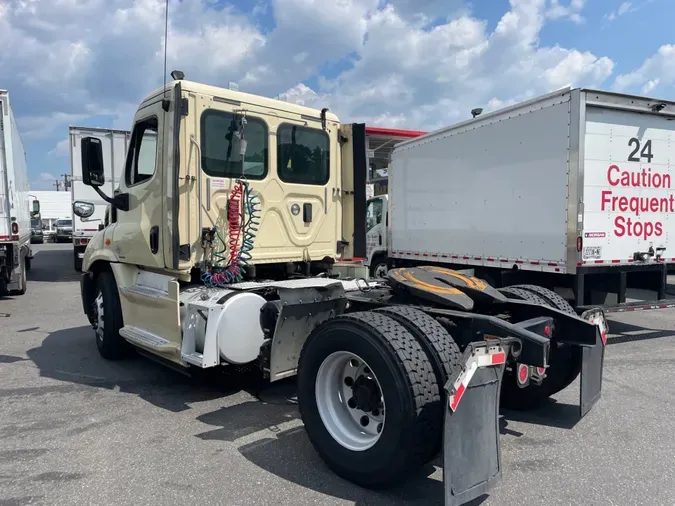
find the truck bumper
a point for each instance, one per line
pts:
(471, 451)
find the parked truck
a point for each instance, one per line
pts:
(92, 207)
(16, 206)
(225, 246)
(571, 191)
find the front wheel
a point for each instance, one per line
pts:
(107, 317)
(379, 268)
(367, 394)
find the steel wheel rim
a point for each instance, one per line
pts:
(98, 307)
(354, 426)
(381, 271)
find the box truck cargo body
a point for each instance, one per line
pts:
(114, 144)
(572, 189)
(15, 204)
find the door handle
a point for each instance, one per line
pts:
(154, 239)
(307, 212)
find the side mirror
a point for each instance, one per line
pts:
(83, 209)
(93, 173)
(36, 207)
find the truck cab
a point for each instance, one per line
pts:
(377, 221)
(205, 167)
(225, 244)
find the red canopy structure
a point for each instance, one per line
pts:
(379, 144)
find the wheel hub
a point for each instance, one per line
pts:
(349, 400)
(366, 394)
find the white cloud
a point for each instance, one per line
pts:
(657, 70)
(572, 11)
(626, 8)
(427, 78)
(61, 149)
(418, 64)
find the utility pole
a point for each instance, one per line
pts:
(57, 183)
(66, 181)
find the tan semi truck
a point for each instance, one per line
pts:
(227, 243)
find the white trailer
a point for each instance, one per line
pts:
(114, 143)
(15, 204)
(572, 190)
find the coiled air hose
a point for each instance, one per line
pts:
(243, 220)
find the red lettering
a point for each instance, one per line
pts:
(620, 229)
(637, 228)
(609, 175)
(645, 230)
(605, 198)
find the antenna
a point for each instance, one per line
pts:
(166, 39)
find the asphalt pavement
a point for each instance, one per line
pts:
(78, 430)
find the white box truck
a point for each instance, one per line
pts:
(16, 207)
(114, 143)
(572, 190)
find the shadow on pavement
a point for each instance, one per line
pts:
(52, 264)
(629, 333)
(71, 356)
(292, 457)
(549, 414)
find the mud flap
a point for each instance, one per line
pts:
(592, 363)
(471, 451)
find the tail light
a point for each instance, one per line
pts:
(15, 228)
(81, 242)
(579, 243)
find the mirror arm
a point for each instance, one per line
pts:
(119, 201)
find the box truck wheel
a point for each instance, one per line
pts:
(107, 314)
(379, 267)
(367, 392)
(437, 343)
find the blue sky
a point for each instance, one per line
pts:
(399, 63)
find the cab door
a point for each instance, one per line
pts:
(290, 164)
(137, 238)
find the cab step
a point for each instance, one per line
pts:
(148, 339)
(145, 291)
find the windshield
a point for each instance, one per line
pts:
(35, 223)
(64, 223)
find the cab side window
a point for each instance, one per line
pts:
(373, 214)
(222, 133)
(303, 155)
(142, 160)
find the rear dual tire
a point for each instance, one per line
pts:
(564, 360)
(406, 378)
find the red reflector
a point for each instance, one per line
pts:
(603, 336)
(541, 371)
(579, 243)
(457, 397)
(523, 372)
(547, 330)
(499, 358)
